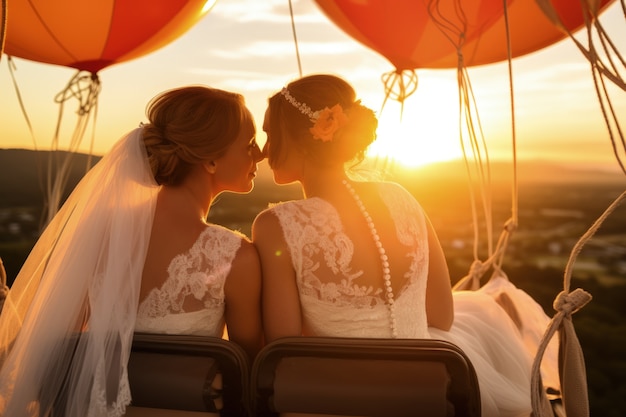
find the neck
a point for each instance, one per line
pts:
(199, 201)
(321, 182)
(191, 199)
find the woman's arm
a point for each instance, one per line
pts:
(242, 291)
(280, 297)
(439, 304)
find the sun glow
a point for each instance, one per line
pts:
(416, 141)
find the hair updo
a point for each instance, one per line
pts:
(288, 126)
(189, 126)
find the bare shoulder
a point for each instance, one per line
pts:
(246, 267)
(265, 223)
(247, 253)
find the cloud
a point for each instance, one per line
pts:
(264, 49)
(268, 11)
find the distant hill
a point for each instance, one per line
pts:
(23, 174)
(528, 171)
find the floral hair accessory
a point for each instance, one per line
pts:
(325, 122)
(328, 122)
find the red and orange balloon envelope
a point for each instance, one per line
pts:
(430, 33)
(92, 35)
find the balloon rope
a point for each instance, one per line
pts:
(514, 193)
(12, 69)
(600, 70)
(295, 38)
(85, 87)
(512, 223)
(573, 375)
(467, 117)
(454, 33)
(399, 84)
(572, 370)
(3, 25)
(4, 289)
(496, 257)
(470, 126)
(602, 93)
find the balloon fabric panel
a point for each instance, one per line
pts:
(383, 28)
(91, 35)
(530, 31)
(46, 31)
(405, 32)
(190, 12)
(425, 34)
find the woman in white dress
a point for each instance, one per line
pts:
(131, 250)
(361, 259)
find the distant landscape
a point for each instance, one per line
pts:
(556, 206)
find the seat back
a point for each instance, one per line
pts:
(189, 374)
(364, 377)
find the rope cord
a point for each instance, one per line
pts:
(572, 365)
(12, 68)
(573, 373)
(474, 148)
(586, 237)
(600, 69)
(85, 87)
(295, 38)
(3, 25)
(513, 222)
(4, 289)
(399, 84)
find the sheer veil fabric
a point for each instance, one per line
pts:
(67, 325)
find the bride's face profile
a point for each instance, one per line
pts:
(286, 167)
(236, 169)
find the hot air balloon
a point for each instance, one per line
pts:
(454, 34)
(90, 36)
(448, 33)
(476, 50)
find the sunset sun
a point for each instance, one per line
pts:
(414, 142)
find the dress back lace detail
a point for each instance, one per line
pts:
(191, 300)
(333, 302)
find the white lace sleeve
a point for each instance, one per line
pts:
(191, 301)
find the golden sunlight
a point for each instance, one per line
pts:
(412, 142)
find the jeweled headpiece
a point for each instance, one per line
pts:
(303, 107)
(325, 122)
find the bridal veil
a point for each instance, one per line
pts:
(67, 324)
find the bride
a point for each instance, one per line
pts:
(130, 250)
(361, 259)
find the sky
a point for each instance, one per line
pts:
(247, 46)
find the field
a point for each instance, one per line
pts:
(556, 206)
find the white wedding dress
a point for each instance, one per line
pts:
(191, 300)
(335, 305)
(67, 325)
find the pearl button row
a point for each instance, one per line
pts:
(383, 258)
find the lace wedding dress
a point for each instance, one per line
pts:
(334, 304)
(191, 301)
(67, 325)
